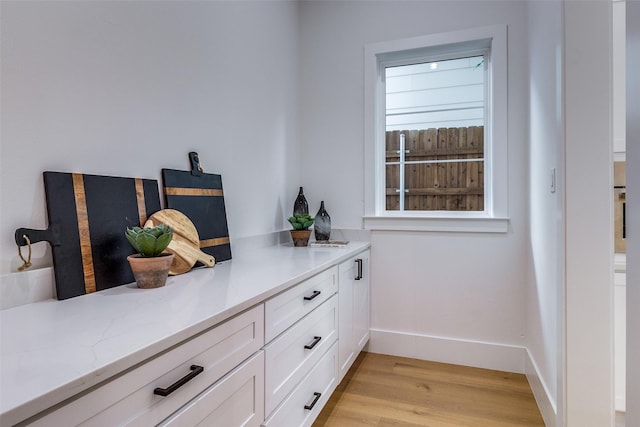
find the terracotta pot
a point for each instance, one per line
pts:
(150, 272)
(300, 237)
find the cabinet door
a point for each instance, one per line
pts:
(353, 309)
(346, 349)
(361, 304)
(235, 400)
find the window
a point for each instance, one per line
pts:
(435, 132)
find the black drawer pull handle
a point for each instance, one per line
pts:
(624, 220)
(315, 342)
(195, 371)
(315, 400)
(359, 274)
(313, 295)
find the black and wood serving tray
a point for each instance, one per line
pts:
(200, 196)
(88, 215)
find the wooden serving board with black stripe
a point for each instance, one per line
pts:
(88, 215)
(200, 197)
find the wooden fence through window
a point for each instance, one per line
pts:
(443, 184)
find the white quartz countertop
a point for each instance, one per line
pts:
(52, 350)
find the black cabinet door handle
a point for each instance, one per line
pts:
(195, 371)
(359, 274)
(313, 295)
(315, 400)
(624, 220)
(315, 342)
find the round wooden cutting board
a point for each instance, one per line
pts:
(185, 243)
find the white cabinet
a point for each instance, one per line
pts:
(301, 361)
(290, 356)
(353, 293)
(275, 364)
(151, 392)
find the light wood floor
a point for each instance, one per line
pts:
(387, 391)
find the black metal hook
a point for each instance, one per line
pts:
(196, 169)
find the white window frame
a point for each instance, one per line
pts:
(494, 218)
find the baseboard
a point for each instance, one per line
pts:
(509, 358)
(547, 406)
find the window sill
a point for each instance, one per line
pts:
(440, 224)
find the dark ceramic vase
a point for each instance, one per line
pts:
(300, 206)
(322, 224)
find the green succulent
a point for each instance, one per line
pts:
(301, 222)
(150, 242)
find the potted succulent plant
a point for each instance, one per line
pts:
(300, 233)
(150, 266)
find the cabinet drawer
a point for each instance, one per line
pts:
(290, 356)
(287, 308)
(130, 399)
(235, 400)
(304, 404)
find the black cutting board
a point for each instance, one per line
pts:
(88, 215)
(200, 196)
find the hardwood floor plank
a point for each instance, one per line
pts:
(389, 391)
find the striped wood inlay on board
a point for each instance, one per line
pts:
(177, 191)
(142, 209)
(83, 231)
(214, 242)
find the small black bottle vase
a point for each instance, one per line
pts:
(300, 206)
(322, 224)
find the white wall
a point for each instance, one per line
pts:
(588, 214)
(619, 86)
(633, 213)
(127, 88)
(544, 297)
(435, 295)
